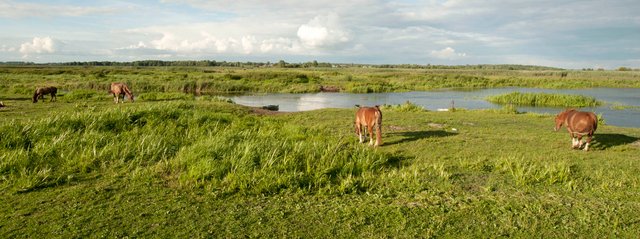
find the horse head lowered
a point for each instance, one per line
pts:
(120, 90)
(578, 124)
(40, 92)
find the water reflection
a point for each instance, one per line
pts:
(433, 100)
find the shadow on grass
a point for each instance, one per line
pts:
(16, 98)
(605, 141)
(417, 135)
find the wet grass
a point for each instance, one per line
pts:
(209, 168)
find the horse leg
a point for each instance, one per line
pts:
(359, 131)
(579, 141)
(586, 146)
(115, 98)
(574, 141)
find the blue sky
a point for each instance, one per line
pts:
(567, 34)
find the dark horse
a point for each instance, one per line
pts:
(578, 124)
(369, 117)
(40, 92)
(120, 89)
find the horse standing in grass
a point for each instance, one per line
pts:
(578, 124)
(369, 117)
(120, 89)
(40, 92)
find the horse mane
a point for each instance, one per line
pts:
(126, 90)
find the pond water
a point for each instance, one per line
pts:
(442, 99)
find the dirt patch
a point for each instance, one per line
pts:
(261, 111)
(329, 88)
(396, 128)
(636, 144)
(437, 126)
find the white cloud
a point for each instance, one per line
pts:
(38, 45)
(6, 48)
(323, 31)
(245, 36)
(447, 53)
(549, 32)
(185, 41)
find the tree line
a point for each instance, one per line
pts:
(284, 64)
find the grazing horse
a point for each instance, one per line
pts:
(369, 117)
(578, 124)
(120, 89)
(40, 92)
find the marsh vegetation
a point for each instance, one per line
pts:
(181, 165)
(544, 99)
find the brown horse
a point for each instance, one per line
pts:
(369, 117)
(578, 124)
(40, 92)
(120, 89)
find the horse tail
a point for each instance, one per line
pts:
(595, 122)
(378, 115)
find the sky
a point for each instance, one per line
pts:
(558, 33)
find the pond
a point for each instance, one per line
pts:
(469, 99)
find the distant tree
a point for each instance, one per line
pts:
(622, 68)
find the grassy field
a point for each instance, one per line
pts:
(204, 167)
(23, 80)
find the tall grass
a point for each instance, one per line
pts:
(214, 169)
(406, 107)
(544, 99)
(193, 147)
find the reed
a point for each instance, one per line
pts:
(544, 99)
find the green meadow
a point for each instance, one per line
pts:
(177, 165)
(22, 80)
